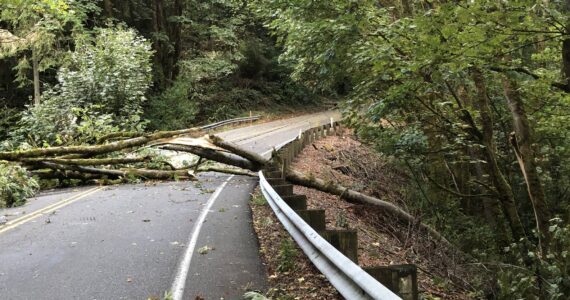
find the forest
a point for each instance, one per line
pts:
(471, 99)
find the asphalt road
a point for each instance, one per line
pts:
(192, 239)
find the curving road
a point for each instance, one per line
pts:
(192, 239)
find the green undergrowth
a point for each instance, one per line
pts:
(15, 185)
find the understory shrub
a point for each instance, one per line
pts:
(8, 117)
(15, 185)
(549, 276)
(102, 90)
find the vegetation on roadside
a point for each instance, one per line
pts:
(15, 185)
(472, 99)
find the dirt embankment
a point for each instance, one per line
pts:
(381, 240)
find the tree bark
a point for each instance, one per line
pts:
(506, 196)
(98, 149)
(521, 141)
(88, 161)
(257, 159)
(108, 8)
(36, 75)
(145, 173)
(356, 197)
(566, 63)
(215, 156)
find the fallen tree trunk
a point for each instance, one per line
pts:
(88, 161)
(145, 173)
(356, 197)
(226, 171)
(233, 148)
(98, 149)
(118, 135)
(333, 188)
(215, 156)
(211, 150)
(64, 174)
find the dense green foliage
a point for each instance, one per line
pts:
(15, 185)
(469, 96)
(211, 59)
(101, 90)
(73, 71)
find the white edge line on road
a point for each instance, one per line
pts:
(182, 271)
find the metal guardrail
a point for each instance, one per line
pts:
(230, 121)
(347, 277)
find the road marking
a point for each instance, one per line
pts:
(46, 210)
(182, 271)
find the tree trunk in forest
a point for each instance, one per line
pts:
(506, 196)
(407, 8)
(36, 74)
(566, 52)
(491, 209)
(108, 8)
(176, 34)
(566, 63)
(522, 144)
(158, 27)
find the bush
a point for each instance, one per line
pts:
(8, 117)
(15, 185)
(173, 109)
(101, 91)
(549, 278)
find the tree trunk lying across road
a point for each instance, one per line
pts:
(98, 149)
(335, 189)
(145, 173)
(56, 161)
(88, 161)
(356, 197)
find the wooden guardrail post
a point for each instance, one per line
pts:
(400, 279)
(296, 202)
(314, 217)
(345, 241)
(284, 190)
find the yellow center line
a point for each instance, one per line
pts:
(46, 210)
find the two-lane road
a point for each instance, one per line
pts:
(139, 241)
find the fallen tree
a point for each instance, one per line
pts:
(78, 162)
(356, 197)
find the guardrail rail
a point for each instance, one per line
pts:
(230, 121)
(333, 252)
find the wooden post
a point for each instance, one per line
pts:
(296, 202)
(400, 279)
(284, 190)
(345, 241)
(274, 174)
(314, 217)
(276, 181)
